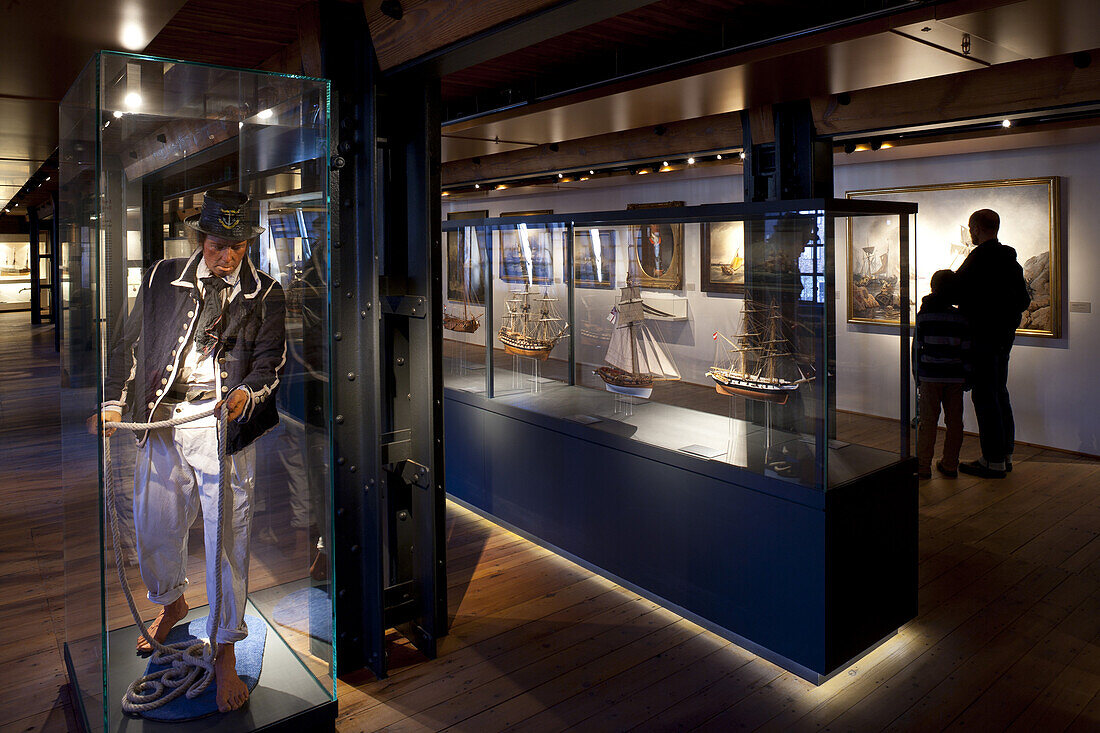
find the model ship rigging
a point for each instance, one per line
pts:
(465, 323)
(636, 359)
(759, 363)
(532, 326)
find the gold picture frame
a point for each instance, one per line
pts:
(653, 263)
(1030, 223)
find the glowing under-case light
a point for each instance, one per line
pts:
(132, 100)
(265, 114)
(1006, 123)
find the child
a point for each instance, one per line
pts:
(941, 343)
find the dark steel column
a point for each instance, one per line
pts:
(36, 272)
(358, 583)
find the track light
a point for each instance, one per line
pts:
(691, 161)
(477, 185)
(719, 156)
(741, 155)
(1006, 122)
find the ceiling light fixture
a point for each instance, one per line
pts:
(741, 156)
(591, 173)
(719, 156)
(132, 37)
(132, 100)
(560, 175)
(1006, 123)
(477, 185)
(446, 193)
(117, 113)
(501, 187)
(691, 161)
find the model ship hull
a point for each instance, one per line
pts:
(620, 382)
(731, 383)
(525, 347)
(461, 325)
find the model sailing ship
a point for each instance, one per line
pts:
(636, 359)
(464, 323)
(760, 364)
(532, 326)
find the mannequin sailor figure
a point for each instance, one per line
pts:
(205, 331)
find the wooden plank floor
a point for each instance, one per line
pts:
(1007, 637)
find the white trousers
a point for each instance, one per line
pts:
(175, 475)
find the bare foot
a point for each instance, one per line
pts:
(232, 691)
(169, 616)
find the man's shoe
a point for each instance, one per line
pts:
(979, 469)
(945, 472)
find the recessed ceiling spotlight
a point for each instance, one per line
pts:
(664, 163)
(132, 100)
(477, 185)
(741, 155)
(501, 187)
(560, 175)
(719, 156)
(1006, 123)
(446, 193)
(591, 173)
(132, 37)
(691, 161)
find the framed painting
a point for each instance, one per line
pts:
(466, 253)
(657, 251)
(723, 257)
(594, 257)
(527, 251)
(1028, 208)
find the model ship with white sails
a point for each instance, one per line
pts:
(758, 363)
(636, 358)
(532, 326)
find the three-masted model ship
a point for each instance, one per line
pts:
(532, 326)
(636, 358)
(759, 363)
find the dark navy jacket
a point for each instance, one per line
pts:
(941, 342)
(150, 349)
(993, 294)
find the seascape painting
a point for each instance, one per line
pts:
(723, 260)
(466, 260)
(526, 254)
(594, 257)
(941, 240)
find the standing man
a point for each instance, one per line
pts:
(206, 331)
(992, 295)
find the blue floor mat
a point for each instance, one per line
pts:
(307, 611)
(250, 658)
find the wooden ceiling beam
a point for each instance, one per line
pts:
(685, 137)
(1004, 89)
(445, 30)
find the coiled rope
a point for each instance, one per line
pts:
(192, 662)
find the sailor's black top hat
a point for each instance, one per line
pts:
(226, 214)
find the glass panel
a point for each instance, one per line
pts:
(137, 243)
(468, 270)
(867, 369)
(530, 326)
(708, 336)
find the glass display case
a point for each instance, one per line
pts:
(661, 394)
(705, 330)
(178, 180)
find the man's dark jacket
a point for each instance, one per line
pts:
(154, 339)
(992, 293)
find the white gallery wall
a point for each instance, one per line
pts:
(1053, 382)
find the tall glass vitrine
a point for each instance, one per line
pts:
(142, 142)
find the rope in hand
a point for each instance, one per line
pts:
(192, 662)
